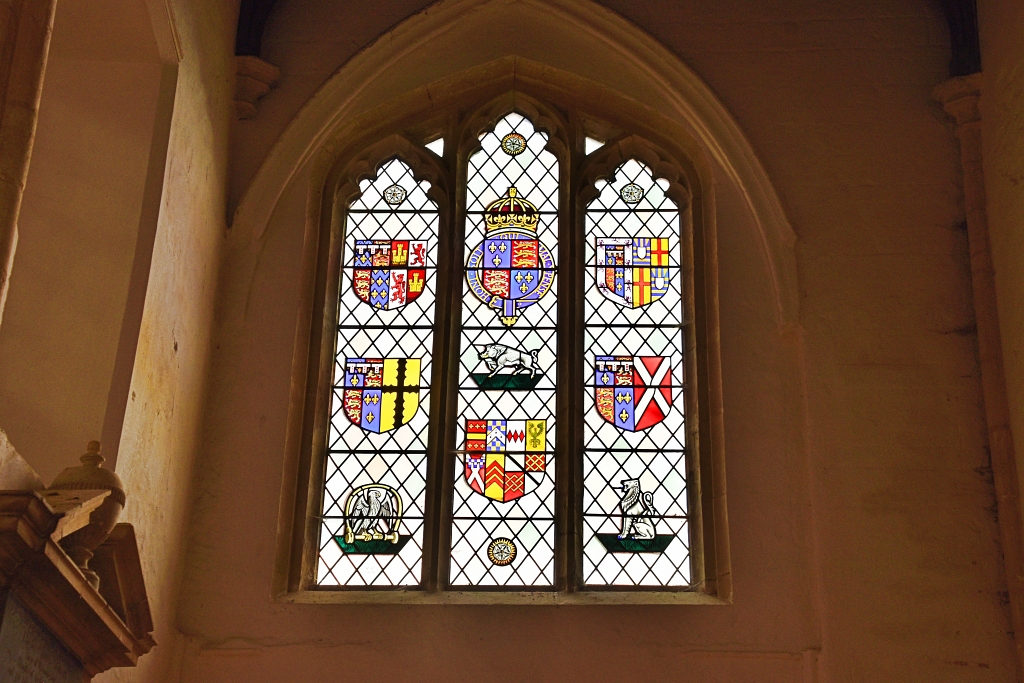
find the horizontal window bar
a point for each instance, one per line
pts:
(546, 212)
(499, 519)
(634, 386)
(613, 515)
(385, 327)
(635, 450)
(629, 326)
(388, 212)
(404, 517)
(456, 452)
(603, 210)
(378, 451)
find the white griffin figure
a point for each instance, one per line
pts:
(637, 511)
(372, 513)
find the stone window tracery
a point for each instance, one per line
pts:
(509, 392)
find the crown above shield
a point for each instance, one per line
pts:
(511, 211)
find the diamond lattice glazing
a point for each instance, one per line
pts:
(504, 491)
(634, 461)
(375, 490)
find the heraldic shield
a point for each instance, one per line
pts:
(511, 269)
(381, 394)
(632, 271)
(633, 392)
(388, 274)
(501, 454)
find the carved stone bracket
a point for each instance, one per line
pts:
(254, 79)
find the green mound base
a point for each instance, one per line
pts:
(372, 547)
(506, 382)
(613, 544)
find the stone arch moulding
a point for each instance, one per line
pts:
(552, 52)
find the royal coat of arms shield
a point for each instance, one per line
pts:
(502, 456)
(388, 274)
(633, 392)
(632, 271)
(381, 394)
(511, 269)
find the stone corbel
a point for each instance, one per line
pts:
(254, 79)
(961, 99)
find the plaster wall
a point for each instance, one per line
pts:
(864, 543)
(77, 232)
(162, 423)
(1002, 121)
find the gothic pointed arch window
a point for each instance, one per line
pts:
(511, 402)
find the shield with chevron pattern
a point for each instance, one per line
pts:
(503, 457)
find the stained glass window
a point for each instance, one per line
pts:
(467, 500)
(634, 461)
(503, 513)
(376, 466)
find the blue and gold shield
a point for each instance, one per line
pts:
(633, 392)
(388, 274)
(633, 271)
(511, 269)
(381, 394)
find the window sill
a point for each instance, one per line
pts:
(416, 597)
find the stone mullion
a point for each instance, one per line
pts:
(440, 480)
(568, 552)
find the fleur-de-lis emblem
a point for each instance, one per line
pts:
(512, 268)
(388, 274)
(640, 387)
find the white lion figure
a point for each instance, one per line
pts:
(637, 511)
